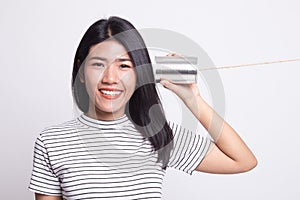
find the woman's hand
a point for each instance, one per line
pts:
(185, 92)
(46, 197)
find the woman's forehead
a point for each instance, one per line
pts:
(108, 49)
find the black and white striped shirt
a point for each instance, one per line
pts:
(91, 159)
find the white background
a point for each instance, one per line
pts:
(38, 40)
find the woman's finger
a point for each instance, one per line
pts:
(174, 54)
(180, 90)
(167, 84)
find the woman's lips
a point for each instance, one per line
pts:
(110, 93)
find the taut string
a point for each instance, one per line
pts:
(247, 65)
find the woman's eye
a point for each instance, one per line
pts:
(125, 66)
(98, 64)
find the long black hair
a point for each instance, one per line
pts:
(144, 108)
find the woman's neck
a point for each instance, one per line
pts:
(105, 116)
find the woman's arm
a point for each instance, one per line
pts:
(229, 153)
(46, 197)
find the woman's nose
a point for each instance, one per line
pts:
(110, 75)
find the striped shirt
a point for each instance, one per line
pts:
(91, 159)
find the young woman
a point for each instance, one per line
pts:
(121, 145)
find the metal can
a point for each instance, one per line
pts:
(179, 70)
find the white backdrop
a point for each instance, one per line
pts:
(38, 41)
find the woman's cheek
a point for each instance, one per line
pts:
(92, 79)
(129, 78)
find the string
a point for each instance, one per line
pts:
(248, 65)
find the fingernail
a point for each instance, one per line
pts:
(164, 82)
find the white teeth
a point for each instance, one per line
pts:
(109, 92)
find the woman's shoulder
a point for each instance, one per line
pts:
(60, 128)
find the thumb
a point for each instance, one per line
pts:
(168, 85)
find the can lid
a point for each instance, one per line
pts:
(176, 60)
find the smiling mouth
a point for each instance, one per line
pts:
(110, 93)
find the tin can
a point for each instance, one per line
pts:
(179, 70)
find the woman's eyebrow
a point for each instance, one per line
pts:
(123, 59)
(98, 58)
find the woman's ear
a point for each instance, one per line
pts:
(80, 71)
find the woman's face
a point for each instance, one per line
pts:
(109, 78)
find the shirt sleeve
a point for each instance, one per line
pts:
(189, 149)
(43, 180)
